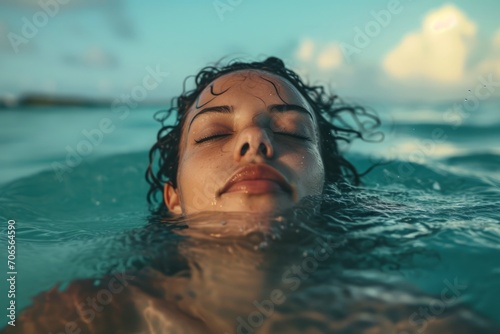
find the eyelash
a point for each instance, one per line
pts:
(211, 137)
(221, 135)
(293, 135)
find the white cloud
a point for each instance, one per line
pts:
(438, 62)
(330, 57)
(438, 51)
(496, 40)
(305, 50)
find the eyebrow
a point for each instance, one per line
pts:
(272, 108)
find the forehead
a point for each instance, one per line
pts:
(252, 82)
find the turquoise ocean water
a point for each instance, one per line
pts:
(427, 218)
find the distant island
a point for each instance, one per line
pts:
(39, 100)
(35, 100)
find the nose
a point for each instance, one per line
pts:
(253, 143)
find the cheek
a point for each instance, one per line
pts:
(314, 166)
(199, 177)
(309, 169)
(319, 176)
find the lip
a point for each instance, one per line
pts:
(256, 179)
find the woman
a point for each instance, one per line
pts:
(250, 137)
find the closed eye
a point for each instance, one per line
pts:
(293, 135)
(211, 137)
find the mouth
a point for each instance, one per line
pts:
(256, 179)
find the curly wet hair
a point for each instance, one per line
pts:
(328, 107)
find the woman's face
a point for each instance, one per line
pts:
(249, 143)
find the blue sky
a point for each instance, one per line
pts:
(98, 48)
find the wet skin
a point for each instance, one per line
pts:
(249, 143)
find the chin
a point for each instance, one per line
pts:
(262, 203)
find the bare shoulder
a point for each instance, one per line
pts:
(121, 303)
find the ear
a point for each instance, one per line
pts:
(171, 198)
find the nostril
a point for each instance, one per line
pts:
(263, 149)
(244, 149)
